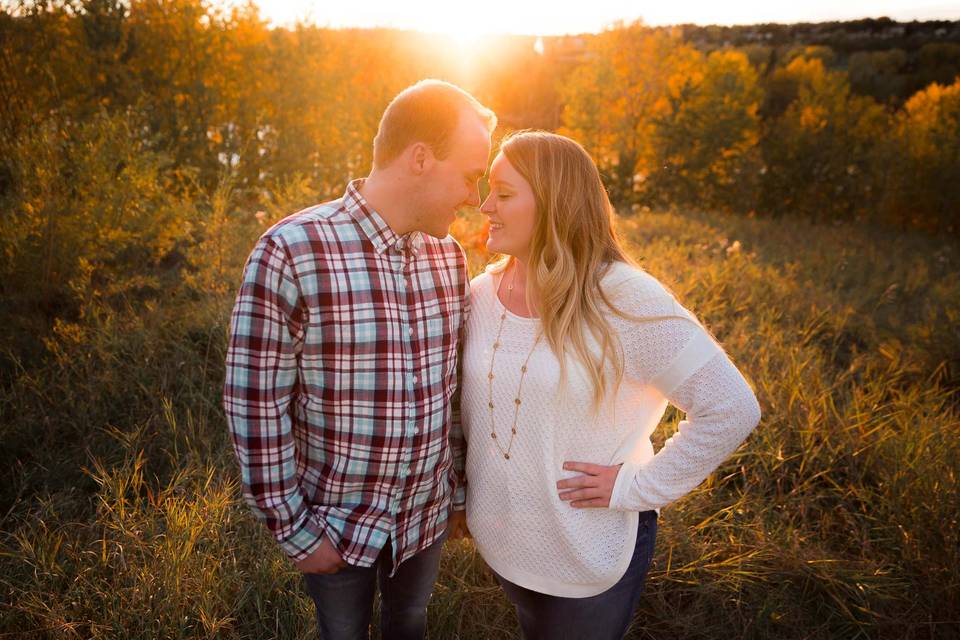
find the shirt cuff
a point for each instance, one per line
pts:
(460, 498)
(308, 536)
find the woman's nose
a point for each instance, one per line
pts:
(487, 206)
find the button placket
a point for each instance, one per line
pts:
(411, 378)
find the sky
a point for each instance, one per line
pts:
(555, 18)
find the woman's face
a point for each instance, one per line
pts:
(512, 210)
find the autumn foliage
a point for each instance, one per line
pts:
(802, 198)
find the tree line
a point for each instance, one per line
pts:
(137, 136)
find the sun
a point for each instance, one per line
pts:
(465, 35)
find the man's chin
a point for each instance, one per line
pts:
(439, 234)
(442, 232)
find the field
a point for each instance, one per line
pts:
(121, 517)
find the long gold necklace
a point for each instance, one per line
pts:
(490, 376)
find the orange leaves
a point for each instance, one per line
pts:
(813, 117)
(472, 234)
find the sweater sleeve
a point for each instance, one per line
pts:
(671, 351)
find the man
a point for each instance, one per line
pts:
(341, 368)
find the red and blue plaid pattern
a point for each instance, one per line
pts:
(341, 377)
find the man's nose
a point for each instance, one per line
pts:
(474, 200)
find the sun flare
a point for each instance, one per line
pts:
(461, 33)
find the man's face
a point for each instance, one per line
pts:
(453, 183)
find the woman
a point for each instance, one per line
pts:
(571, 356)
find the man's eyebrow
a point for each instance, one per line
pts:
(476, 174)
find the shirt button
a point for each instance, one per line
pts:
(410, 330)
(414, 379)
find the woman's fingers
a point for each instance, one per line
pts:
(592, 489)
(577, 482)
(595, 503)
(584, 467)
(582, 494)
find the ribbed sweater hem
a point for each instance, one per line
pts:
(554, 587)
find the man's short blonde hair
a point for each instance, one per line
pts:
(427, 112)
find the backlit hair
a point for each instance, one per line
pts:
(574, 244)
(427, 112)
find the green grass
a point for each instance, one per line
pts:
(121, 516)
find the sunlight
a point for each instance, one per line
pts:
(538, 18)
(459, 38)
(465, 36)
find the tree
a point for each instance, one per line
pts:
(613, 99)
(817, 154)
(924, 189)
(880, 74)
(706, 144)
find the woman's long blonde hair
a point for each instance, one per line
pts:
(574, 244)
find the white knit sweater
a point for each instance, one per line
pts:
(521, 527)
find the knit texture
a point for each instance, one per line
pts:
(522, 528)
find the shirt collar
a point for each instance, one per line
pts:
(373, 224)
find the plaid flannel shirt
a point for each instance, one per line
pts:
(341, 380)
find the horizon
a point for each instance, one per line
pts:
(500, 17)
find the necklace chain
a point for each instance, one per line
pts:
(490, 376)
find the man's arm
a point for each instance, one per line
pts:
(266, 335)
(457, 441)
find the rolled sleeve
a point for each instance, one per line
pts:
(266, 335)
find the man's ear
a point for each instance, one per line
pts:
(420, 158)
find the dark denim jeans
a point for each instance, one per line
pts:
(606, 615)
(344, 599)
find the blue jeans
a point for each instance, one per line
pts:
(606, 615)
(344, 599)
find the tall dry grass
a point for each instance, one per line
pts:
(121, 517)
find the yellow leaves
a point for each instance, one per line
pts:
(925, 103)
(930, 118)
(68, 331)
(813, 117)
(809, 69)
(661, 106)
(679, 81)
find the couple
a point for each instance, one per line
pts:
(364, 439)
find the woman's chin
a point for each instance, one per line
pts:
(498, 246)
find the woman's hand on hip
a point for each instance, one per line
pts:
(591, 489)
